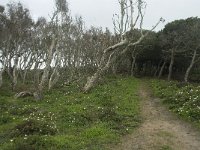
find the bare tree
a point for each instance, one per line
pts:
(125, 43)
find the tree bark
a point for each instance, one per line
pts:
(94, 79)
(1, 78)
(157, 69)
(190, 66)
(112, 49)
(1, 72)
(47, 68)
(55, 75)
(171, 64)
(133, 64)
(161, 69)
(14, 73)
(54, 78)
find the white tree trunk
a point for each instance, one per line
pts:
(55, 75)
(125, 42)
(190, 66)
(171, 64)
(94, 79)
(133, 64)
(47, 67)
(2, 71)
(161, 69)
(1, 78)
(14, 73)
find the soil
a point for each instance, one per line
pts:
(160, 129)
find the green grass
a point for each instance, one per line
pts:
(69, 119)
(183, 99)
(165, 147)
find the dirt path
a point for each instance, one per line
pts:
(160, 130)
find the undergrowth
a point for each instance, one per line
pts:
(69, 119)
(183, 99)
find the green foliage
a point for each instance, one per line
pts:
(183, 99)
(69, 119)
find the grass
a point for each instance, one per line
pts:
(69, 119)
(183, 99)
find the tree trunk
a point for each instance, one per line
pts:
(161, 69)
(54, 78)
(55, 75)
(171, 64)
(1, 73)
(24, 75)
(190, 66)
(94, 79)
(36, 74)
(112, 49)
(14, 74)
(47, 68)
(133, 64)
(114, 68)
(157, 69)
(1, 78)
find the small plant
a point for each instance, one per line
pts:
(5, 118)
(183, 100)
(31, 127)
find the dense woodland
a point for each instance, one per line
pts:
(61, 48)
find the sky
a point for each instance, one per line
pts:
(99, 12)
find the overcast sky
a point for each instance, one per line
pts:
(99, 12)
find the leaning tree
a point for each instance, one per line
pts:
(131, 16)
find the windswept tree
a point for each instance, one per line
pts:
(54, 46)
(17, 30)
(132, 14)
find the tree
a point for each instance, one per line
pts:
(111, 54)
(173, 41)
(19, 25)
(180, 38)
(2, 42)
(192, 41)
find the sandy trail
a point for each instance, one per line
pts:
(160, 130)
